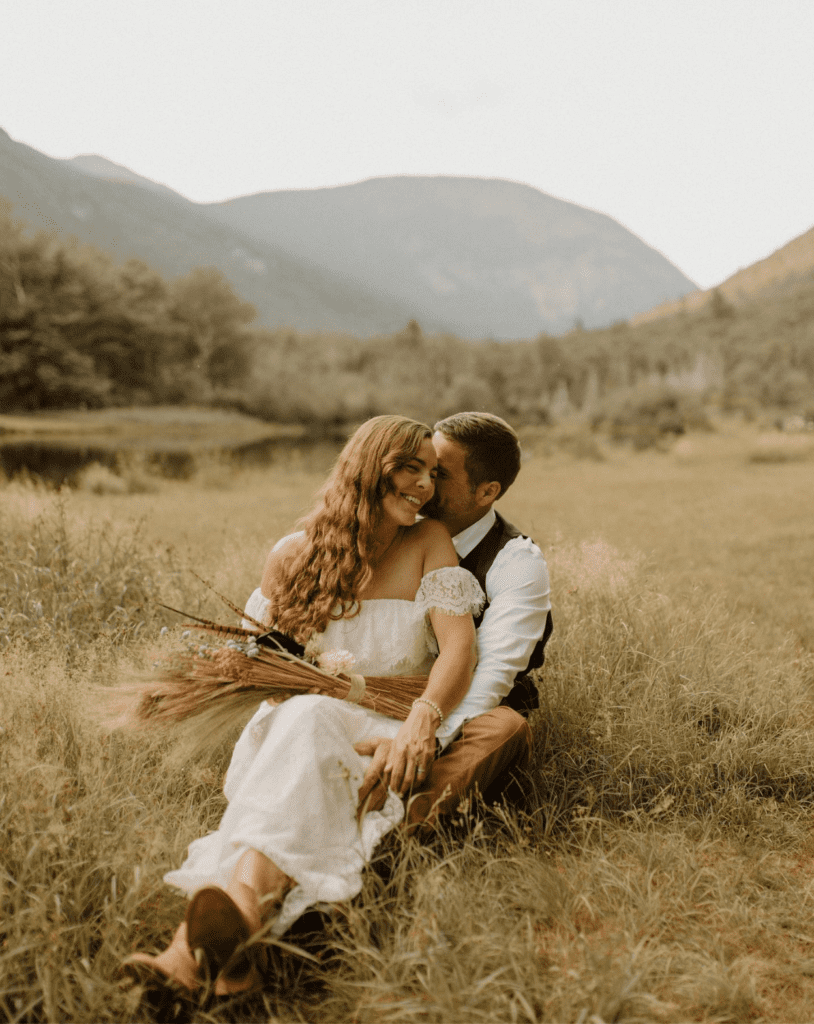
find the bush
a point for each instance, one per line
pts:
(778, 448)
(647, 414)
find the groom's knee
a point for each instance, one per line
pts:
(491, 746)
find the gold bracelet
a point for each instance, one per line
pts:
(436, 709)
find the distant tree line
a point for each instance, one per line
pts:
(749, 358)
(76, 329)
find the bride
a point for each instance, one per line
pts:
(363, 578)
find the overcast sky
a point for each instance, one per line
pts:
(689, 121)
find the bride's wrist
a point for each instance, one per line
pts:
(430, 705)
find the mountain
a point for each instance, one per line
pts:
(101, 167)
(477, 257)
(128, 218)
(487, 257)
(775, 275)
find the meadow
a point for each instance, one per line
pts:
(664, 867)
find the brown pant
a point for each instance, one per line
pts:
(490, 746)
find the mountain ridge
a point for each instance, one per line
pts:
(100, 167)
(171, 234)
(542, 264)
(478, 257)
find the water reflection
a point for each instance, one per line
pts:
(53, 463)
(59, 463)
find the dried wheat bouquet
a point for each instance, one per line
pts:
(215, 685)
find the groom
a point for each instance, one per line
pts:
(486, 737)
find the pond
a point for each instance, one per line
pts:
(59, 462)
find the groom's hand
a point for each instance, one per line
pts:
(373, 791)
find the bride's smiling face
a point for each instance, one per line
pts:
(411, 486)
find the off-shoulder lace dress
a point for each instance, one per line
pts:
(294, 776)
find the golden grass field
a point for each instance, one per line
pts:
(666, 872)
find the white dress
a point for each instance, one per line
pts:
(294, 777)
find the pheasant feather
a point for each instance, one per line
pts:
(233, 607)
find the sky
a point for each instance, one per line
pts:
(688, 121)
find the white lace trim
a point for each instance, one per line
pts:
(452, 590)
(257, 606)
(411, 645)
(386, 637)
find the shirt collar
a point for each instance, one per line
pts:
(468, 539)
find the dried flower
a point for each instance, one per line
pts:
(336, 662)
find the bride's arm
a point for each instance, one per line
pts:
(449, 679)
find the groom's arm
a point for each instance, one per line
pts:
(519, 593)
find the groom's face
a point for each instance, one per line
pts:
(455, 502)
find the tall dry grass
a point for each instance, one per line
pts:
(662, 870)
(653, 708)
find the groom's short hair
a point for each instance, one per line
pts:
(491, 445)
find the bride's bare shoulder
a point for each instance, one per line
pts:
(282, 552)
(436, 544)
(430, 530)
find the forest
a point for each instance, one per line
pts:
(78, 330)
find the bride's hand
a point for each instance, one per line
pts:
(412, 751)
(373, 791)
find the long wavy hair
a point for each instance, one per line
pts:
(321, 579)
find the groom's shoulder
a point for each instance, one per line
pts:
(517, 540)
(520, 563)
(516, 555)
(523, 549)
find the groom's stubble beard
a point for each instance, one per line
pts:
(430, 510)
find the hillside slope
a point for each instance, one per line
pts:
(173, 235)
(780, 272)
(100, 167)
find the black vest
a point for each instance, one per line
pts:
(523, 696)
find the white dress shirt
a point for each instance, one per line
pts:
(519, 594)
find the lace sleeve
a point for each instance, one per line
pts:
(452, 590)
